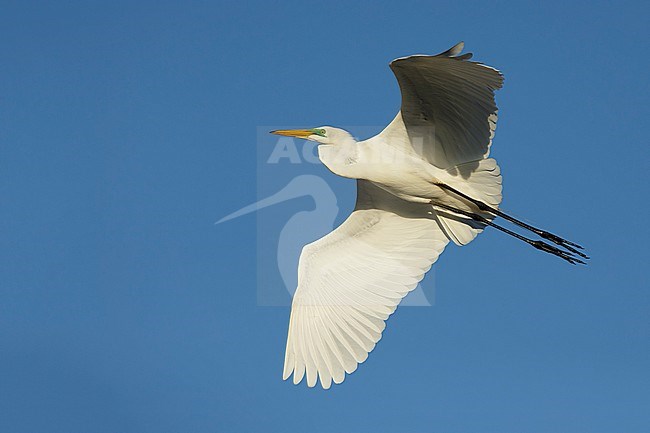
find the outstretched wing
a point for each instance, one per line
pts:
(448, 113)
(352, 279)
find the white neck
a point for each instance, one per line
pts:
(340, 158)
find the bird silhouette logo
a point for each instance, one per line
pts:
(306, 226)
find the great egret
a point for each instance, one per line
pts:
(424, 180)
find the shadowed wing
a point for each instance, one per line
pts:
(352, 279)
(448, 113)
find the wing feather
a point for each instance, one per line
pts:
(351, 280)
(448, 109)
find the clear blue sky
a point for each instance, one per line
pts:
(128, 128)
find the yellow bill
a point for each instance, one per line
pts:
(300, 133)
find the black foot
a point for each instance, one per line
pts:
(570, 246)
(543, 246)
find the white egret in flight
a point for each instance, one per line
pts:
(424, 180)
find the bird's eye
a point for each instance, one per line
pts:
(321, 132)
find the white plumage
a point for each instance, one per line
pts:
(424, 180)
(352, 279)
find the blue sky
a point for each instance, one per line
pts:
(128, 128)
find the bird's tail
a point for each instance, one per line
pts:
(480, 180)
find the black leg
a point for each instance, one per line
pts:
(540, 245)
(570, 246)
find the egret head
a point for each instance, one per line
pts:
(321, 135)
